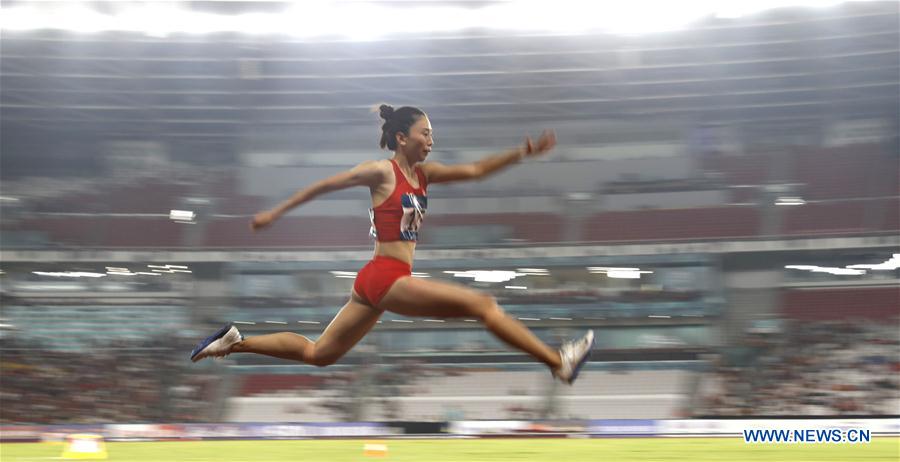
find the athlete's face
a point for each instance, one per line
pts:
(418, 144)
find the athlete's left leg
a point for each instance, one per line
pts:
(350, 325)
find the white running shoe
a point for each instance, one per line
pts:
(217, 345)
(574, 355)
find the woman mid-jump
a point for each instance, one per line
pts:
(398, 187)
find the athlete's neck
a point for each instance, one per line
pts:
(404, 165)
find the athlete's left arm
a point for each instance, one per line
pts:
(437, 172)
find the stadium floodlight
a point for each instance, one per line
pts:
(169, 269)
(69, 274)
(365, 21)
(182, 216)
(625, 274)
(789, 200)
(486, 276)
(343, 273)
(534, 271)
(890, 264)
(827, 269)
(618, 273)
(737, 9)
(801, 267)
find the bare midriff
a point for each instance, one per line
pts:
(400, 250)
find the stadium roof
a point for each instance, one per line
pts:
(790, 63)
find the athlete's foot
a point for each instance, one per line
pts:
(574, 354)
(217, 345)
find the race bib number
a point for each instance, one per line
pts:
(413, 212)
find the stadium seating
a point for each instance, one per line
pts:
(673, 224)
(79, 328)
(841, 303)
(483, 392)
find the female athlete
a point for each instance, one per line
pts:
(398, 187)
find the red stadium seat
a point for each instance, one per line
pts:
(841, 303)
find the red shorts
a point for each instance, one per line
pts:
(375, 279)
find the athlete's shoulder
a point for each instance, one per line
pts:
(370, 172)
(382, 165)
(374, 163)
(430, 166)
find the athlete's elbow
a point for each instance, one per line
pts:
(327, 186)
(477, 173)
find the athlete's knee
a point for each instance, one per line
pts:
(322, 361)
(317, 357)
(488, 309)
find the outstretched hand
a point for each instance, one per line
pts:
(543, 145)
(262, 220)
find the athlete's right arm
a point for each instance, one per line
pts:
(370, 173)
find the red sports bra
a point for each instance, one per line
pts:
(398, 218)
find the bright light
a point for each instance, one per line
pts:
(789, 200)
(534, 271)
(486, 276)
(802, 267)
(517, 287)
(890, 264)
(736, 9)
(827, 269)
(69, 274)
(182, 216)
(618, 273)
(169, 269)
(365, 21)
(625, 274)
(351, 274)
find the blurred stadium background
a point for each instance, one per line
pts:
(723, 209)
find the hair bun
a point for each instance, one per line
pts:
(386, 111)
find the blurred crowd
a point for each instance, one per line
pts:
(812, 368)
(808, 368)
(133, 382)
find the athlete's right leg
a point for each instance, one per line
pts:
(416, 297)
(350, 325)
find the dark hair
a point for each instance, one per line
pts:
(396, 121)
